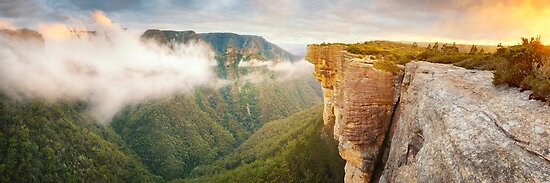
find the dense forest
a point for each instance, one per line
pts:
(295, 149)
(52, 142)
(158, 139)
(58, 142)
(173, 135)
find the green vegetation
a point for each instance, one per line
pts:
(156, 140)
(527, 66)
(387, 66)
(45, 142)
(174, 135)
(400, 53)
(60, 142)
(295, 149)
(450, 54)
(391, 51)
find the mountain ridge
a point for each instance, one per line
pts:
(223, 43)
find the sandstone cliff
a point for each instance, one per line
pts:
(359, 102)
(441, 124)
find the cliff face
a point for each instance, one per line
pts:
(441, 124)
(359, 102)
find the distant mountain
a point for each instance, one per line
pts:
(224, 43)
(172, 136)
(156, 140)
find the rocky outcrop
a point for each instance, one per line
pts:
(455, 126)
(440, 124)
(359, 102)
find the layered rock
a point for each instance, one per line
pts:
(359, 102)
(455, 126)
(449, 124)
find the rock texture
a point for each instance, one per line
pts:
(455, 126)
(439, 123)
(359, 102)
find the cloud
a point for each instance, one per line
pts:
(6, 24)
(107, 5)
(498, 20)
(284, 70)
(102, 19)
(109, 67)
(19, 8)
(302, 21)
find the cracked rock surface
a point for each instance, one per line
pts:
(454, 125)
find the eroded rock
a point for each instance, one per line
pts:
(359, 102)
(455, 126)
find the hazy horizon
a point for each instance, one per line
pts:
(487, 22)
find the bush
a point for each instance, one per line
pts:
(526, 66)
(386, 65)
(393, 51)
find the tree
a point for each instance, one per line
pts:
(436, 47)
(473, 50)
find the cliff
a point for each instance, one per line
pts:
(359, 101)
(440, 124)
(455, 126)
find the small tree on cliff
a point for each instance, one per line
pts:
(473, 50)
(435, 47)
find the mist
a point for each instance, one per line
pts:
(109, 67)
(284, 70)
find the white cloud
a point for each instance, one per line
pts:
(110, 69)
(284, 70)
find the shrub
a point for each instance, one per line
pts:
(526, 66)
(386, 65)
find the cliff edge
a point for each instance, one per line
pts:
(359, 103)
(456, 126)
(430, 122)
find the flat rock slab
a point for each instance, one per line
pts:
(456, 126)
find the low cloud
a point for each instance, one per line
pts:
(284, 70)
(108, 67)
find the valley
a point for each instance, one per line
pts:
(168, 138)
(241, 91)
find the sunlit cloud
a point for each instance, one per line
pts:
(301, 21)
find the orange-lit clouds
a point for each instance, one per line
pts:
(64, 31)
(109, 69)
(306, 21)
(504, 21)
(102, 19)
(54, 30)
(5, 24)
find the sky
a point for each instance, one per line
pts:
(299, 22)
